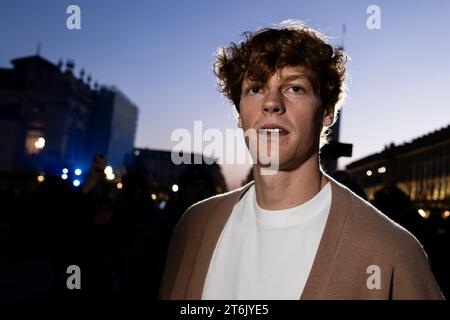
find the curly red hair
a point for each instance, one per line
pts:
(264, 52)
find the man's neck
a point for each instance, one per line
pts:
(287, 189)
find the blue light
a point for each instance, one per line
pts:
(78, 172)
(65, 170)
(76, 182)
(64, 176)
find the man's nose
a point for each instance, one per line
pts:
(273, 103)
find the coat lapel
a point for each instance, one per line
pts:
(216, 222)
(329, 243)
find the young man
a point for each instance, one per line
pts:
(297, 233)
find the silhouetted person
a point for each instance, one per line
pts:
(350, 182)
(36, 242)
(149, 253)
(135, 212)
(396, 204)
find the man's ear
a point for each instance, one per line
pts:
(328, 116)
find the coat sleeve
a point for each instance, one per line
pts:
(412, 276)
(174, 258)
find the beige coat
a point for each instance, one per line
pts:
(357, 239)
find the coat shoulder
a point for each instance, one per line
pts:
(200, 212)
(371, 226)
(375, 239)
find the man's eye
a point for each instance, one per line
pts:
(254, 90)
(296, 89)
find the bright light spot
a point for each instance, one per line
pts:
(39, 143)
(78, 172)
(65, 170)
(76, 182)
(381, 169)
(110, 176)
(108, 170)
(421, 212)
(369, 173)
(40, 178)
(175, 188)
(137, 153)
(154, 197)
(119, 185)
(446, 214)
(424, 214)
(64, 176)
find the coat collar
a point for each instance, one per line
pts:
(326, 252)
(329, 242)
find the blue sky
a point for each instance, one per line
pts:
(159, 53)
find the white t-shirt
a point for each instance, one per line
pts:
(267, 254)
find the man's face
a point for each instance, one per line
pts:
(287, 102)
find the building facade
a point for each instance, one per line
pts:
(113, 126)
(51, 119)
(420, 168)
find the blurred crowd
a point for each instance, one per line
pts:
(117, 237)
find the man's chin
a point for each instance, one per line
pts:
(279, 164)
(273, 167)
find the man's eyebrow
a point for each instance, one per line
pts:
(250, 82)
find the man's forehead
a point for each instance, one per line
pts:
(292, 71)
(285, 73)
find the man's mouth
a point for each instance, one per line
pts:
(272, 129)
(276, 130)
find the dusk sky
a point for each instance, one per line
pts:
(160, 53)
